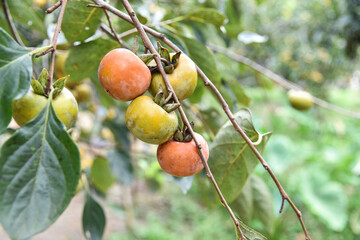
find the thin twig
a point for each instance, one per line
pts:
(134, 30)
(149, 45)
(10, 21)
(50, 49)
(53, 8)
(228, 112)
(122, 44)
(54, 41)
(280, 80)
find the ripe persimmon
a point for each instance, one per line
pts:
(182, 159)
(123, 75)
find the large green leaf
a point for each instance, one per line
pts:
(207, 15)
(231, 159)
(263, 203)
(39, 172)
(15, 75)
(83, 60)
(202, 56)
(255, 201)
(243, 205)
(80, 21)
(233, 12)
(324, 198)
(250, 233)
(101, 175)
(93, 219)
(25, 12)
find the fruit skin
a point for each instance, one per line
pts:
(182, 159)
(149, 122)
(300, 100)
(183, 79)
(30, 105)
(123, 75)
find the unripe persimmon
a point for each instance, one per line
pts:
(182, 159)
(300, 100)
(123, 75)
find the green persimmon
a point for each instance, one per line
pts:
(183, 79)
(30, 105)
(149, 122)
(300, 100)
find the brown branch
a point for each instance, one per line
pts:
(157, 59)
(114, 34)
(228, 112)
(54, 41)
(54, 7)
(280, 80)
(10, 21)
(50, 49)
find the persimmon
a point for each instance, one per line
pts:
(123, 75)
(300, 100)
(182, 159)
(149, 122)
(183, 79)
(27, 107)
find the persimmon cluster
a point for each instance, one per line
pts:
(151, 117)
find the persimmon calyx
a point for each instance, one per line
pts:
(39, 85)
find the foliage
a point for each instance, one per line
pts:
(314, 154)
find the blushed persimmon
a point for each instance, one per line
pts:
(182, 159)
(123, 75)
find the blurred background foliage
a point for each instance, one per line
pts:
(315, 154)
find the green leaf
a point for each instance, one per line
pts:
(93, 219)
(231, 159)
(15, 75)
(250, 233)
(263, 203)
(255, 201)
(25, 12)
(83, 60)
(202, 56)
(239, 92)
(39, 172)
(207, 15)
(101, 175)
(233, 12)
(121, 165)
(324, 198)
(80, 22)
(244, 203)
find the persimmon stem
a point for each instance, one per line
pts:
(228, 112)
(54, 41)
